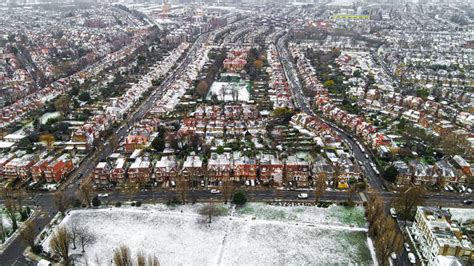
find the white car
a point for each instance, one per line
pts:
(303, 196)
(103, 195)
(411, 258)
(215, 191)
(407, 247)
(393, 213)
(393, 255)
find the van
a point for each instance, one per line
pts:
(411, 258)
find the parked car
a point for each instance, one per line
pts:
(215, 191)
(303, 196)
(393, 255)
(411, 258)
(407, 247)
(103, 195)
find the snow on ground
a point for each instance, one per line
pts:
(462, 214)
(257, 234)
(229, 91)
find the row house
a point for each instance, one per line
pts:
(270, 168)
(102, 173)
(118, 172)
(297, 170)
(3, 161)
(245, 168)
(192, 168)
(219, 167)
(19, 168)
(137, 139)
(37, 170)
(166, 169)
(140, 170)
(58, 169)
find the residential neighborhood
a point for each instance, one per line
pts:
(211, 126)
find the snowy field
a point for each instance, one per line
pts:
(229, 91)
(257, 234)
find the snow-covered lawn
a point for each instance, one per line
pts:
(229, 91)
(254, 235)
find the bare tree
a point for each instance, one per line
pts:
(389, 239)
(407, 200)
(153, 261)
(182, 187)
(61, 201)
(209, 210)
(122, 256)
(28, 233)
(141, 261)
(74, 232)
(85, 237)
(86, 193)
(319, 186)
(59, 244)
(130, 189)
(227, 190)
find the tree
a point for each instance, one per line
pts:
(158, 143)
(153, 260)
(74, 232)
(62, 104)
(329, 84)
(283, 113)
(28, 233)
(220, 149)
(85, 193)
(240, 198)
(61, 201)
(227, 190)
(12, 210)
(390, 173)
(129, 188)
(182, 187)
(202, 88)
(141, 261)
(85, 237)
(84, 97)
(123, 256)
(48, 139)
(96, 201)
(389, 239)
(210, 210)
(258, 64)
(319, 186)
(59, 244)
(407, 200)
(350, 194)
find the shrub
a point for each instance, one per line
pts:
(118, 204)
(96, 201)
(239, 198)
(133, 204)
(138, 204)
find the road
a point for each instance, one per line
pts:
(301, 102)
(13, 254)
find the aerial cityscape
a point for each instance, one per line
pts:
(236, 132)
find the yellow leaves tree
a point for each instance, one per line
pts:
(47, 138)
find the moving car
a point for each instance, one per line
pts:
(407, 247)
(103, 195)
(393, 213)
(303, 196)
(411, 258)
(215, 191)
(468, 201)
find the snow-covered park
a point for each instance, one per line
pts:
(229, 91)
(256, 234)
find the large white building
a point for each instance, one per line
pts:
(441, 240)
